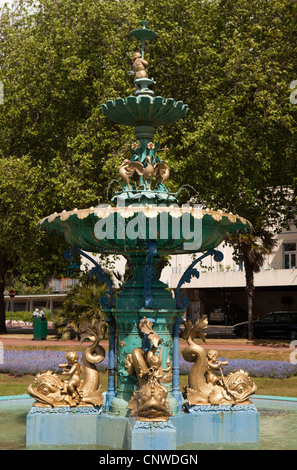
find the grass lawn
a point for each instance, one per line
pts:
(10, 385)
(267, 386)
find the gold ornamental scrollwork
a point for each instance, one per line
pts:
(81, 385)
(131, 171)
(149, 402)
(207, 384)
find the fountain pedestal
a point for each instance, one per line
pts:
(218, 424)
(146, 224)
(143, 289)
(206, 425)
(151, 435)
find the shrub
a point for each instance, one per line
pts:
(26, 316)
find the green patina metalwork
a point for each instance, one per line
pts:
(105, 230)
(78, 227)
(135, 111)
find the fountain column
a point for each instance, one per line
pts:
(111, 362)
(128, 312)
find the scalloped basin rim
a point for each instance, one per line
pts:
(144, 108)
(79, 229)
(149, 211)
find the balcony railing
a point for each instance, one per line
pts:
(64, 284)
(215, 269)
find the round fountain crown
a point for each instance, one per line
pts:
(143, 33)
(143, 107)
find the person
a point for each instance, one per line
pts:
(42, 314)
(36, 313)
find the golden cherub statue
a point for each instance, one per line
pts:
(71, 385)
(139, 66)
(204, 386)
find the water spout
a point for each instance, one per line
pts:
(110, 183)
(184, 187)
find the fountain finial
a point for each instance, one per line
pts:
(143, 34)
(142, 81)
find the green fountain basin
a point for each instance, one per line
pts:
(278, 427)
(116, 230)
(135, 110)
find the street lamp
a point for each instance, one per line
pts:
(11, 295)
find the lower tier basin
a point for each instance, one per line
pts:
(278, 426)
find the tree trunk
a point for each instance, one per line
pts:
(250, 289)
(2, 308)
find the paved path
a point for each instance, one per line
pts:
(19, 340)
(51, 341)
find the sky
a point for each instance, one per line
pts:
(2, 2)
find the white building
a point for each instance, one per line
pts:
(219, 292)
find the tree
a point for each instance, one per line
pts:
(24, 251)
(60, 60)
(231, 60)
(56, 63)
(239, 145)
(251, 249)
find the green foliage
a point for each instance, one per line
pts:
(24, 251)
(26, 316)
(81, 302)
(251, 248)
(232, 61)
(23, 289)
(60, 61)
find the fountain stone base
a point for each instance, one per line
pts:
(204, 424)
(62, 426)
(213, 424)
(152, 435)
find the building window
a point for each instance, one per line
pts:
(289, 255)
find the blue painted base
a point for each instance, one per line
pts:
(150, 435)
(89, 426)
(62, 426)
(214, 424)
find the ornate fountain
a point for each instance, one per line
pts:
(145, 409)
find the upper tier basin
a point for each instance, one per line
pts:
(144, 109)
(115, 230)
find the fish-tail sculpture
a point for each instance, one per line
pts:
(205, 385)
(82, 385)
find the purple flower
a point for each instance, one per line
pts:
(21, 362)
(272, 369)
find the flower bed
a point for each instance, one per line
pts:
(272, 369)
(24, 324)
(19, 362)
